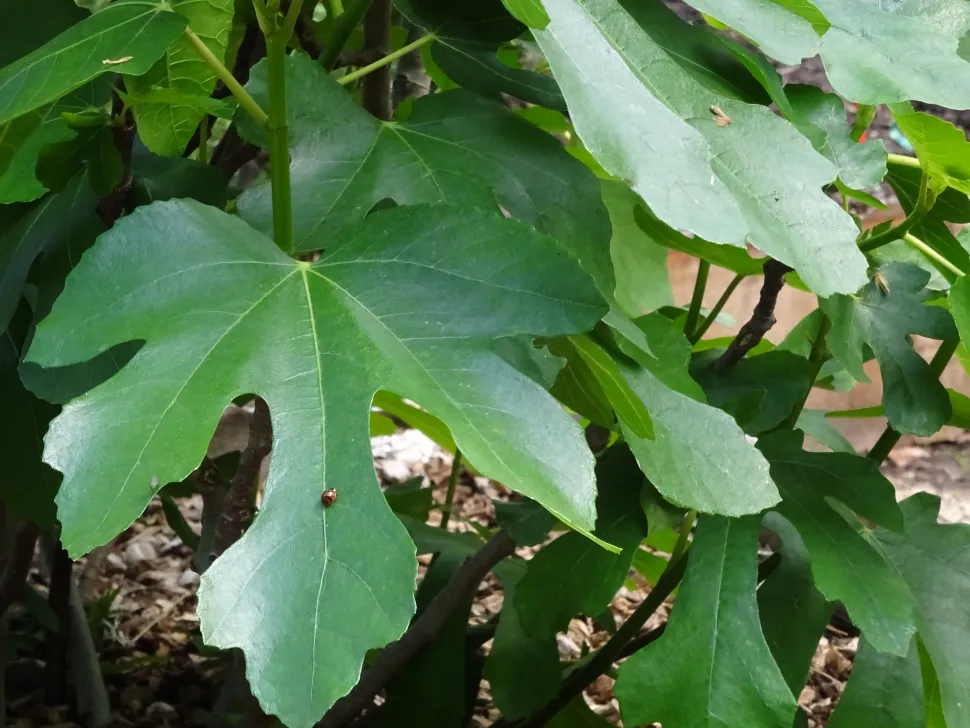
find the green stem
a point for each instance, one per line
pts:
(389, 58)
(450, 495)
(204, 140)
(818, 358)
(924, 203)
(931, 254)
(225, 75)
(695, 302)
(277, 128)
(343, 28)
(863, 119)
(683, 538)
(716, 311)
(903, 161)
(887, 441)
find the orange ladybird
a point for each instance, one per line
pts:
(328, 497)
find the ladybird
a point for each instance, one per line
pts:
(328, 497)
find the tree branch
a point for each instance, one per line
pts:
(14, 577)
(422, 631)
(237, 507)
(377, 40)
(762, 318)
(603, 659)
(112, 207)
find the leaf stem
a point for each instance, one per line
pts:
(225, 75)
(817, 356)
(924, 203)
(903, 161)
(450, 495)
(716, 311)
(683, 538)
(697, 298)
(931, 254)
(887, 441)
(389, 58)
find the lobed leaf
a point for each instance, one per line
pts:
(883, 319)
(733, 171)
(200, 287)
(878, 602)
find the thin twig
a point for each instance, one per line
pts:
(716, 311)
(237, 507)
(422, 631)
(112, 207)
(818, 356)
(450, 494)
(762, 318)
(14, 579)
(603, 659)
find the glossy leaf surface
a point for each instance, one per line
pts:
(318, 382)
(740, 172)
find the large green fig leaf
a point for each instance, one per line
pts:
(711, 667)
(781, 33)
(883, 316)
(942, 148)
(883, 690)
(733, 171)
(880, 603)
(934, 560)
(455, 147)
(126, 37)
(27, 26)
(164, 126)
(869, 49)
(406, 300)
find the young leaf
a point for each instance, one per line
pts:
(884, 318)
(640, 264)
(342, 157)
(883, 690)
(747, 174)
(164, 126)
(689, 678)
(572, 574)
(934, 560)
(793, 612)
(202, 288)
(880, 604)
(529, 12)
(126, 37)
(467, 39)
(821, 118)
